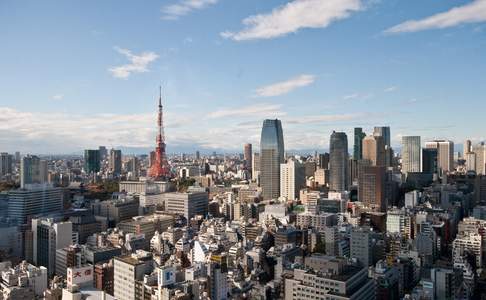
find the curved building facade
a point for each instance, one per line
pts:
(338, 161)
(271, 156)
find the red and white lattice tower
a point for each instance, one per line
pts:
(160, 167)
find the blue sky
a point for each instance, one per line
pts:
(77, 74)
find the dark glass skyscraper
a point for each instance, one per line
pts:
(359, 135)
(429, 160)
(91, 161)
(271, 156)
(338, 161)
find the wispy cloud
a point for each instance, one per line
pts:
(292, 17)
(58, 97)
(390, 89)
(358, 96)
(138, 63)
(255, 110)
(351, 96)
(325, 118)
(284, 87)
(184, 7)
(473, 12)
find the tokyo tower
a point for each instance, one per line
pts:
(159, 168)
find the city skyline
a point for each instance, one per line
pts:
(223, 78)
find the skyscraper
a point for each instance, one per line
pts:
(411, 151)
(103, 152)
(271, 156)
(383, 131)
(292, 179)
(324, 161)
(115, 161)
(255, 166)
(359, 135)
(49, 236)
(480, 151)
(92, 160)
(429, 161)
(445, 154)
(6, 161)
(467, 146)
(32, 170)
(159, 168)
(338, 161)
(247, 155)
(371, 189)
(374, 150)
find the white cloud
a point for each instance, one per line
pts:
(390, 89)
(293, 16)
(184, 7)
(358, 96)
(58, 97)
(138, 63)
(351, 96)
(473, 12)
(256, 110)
(284, 87)
(56, 132)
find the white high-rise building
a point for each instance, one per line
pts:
(470, 158)
(480, 151)
(255, 166)
(398, 222)
(292, 179)
(49, 236)
(128, 274)
(411, 151)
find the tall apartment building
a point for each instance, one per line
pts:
(49, 236)
(128, 275)
(397, 221)
(292, 179)
(255, 166)
(480, 152)
(217, 281)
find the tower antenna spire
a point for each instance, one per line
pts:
(159, 167)
(160, 95)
